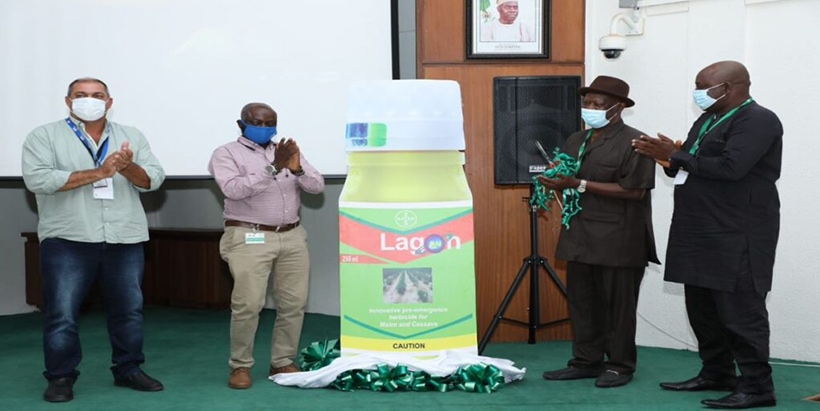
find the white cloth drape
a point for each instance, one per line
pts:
(445, 364)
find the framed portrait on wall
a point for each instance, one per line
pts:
(500, 29)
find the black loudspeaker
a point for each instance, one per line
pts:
(530, 109)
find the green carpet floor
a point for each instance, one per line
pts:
(187, 350)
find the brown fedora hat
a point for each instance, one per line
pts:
(610, 86)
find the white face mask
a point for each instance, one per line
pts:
(88, 108)
(596, 118)
(703, 99)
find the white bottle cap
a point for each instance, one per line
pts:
(404, 115)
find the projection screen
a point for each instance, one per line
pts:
(181, 70)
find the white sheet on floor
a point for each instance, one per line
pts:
(445, 364)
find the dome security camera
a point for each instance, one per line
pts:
(612, 45)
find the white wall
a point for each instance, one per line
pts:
(772, 38)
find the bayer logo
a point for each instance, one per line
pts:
(406, 219)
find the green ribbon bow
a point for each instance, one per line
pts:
(479, 378)
(318, 354)
(562, 165)
(344, 381)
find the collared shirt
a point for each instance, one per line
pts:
(253, 195)
(610, 231)
(52, 152)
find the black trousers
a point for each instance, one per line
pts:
(732, 327)
(602, 307)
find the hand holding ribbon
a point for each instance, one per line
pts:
(560, 176)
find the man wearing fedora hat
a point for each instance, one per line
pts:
(506, 27)
(610, 241)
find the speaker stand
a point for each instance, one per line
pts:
(532, 265)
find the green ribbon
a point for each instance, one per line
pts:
(318, 354)
(479, 378)
(408, 380)
(562, 165)
(383, 379)
(474, 378)
(440, 384)
(344, 381)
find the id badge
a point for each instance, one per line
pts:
(104, 189)
(254, 238)
(680, 178)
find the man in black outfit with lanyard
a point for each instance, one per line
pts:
(724, 233)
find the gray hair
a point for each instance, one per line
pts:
(87, 80)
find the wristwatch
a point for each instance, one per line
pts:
(271, 168)
(583, 186)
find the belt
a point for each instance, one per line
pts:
(262, 227)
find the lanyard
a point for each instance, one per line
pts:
(583, 149)
(98, 158)
(705, 129)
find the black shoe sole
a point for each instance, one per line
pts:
(772, 403)
(613, 384)
(61, 398)
(127, 384)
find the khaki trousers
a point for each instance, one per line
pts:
(284, 259)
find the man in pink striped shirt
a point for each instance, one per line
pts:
(262, 182)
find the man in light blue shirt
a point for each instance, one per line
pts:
(87, 174)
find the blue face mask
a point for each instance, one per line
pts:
(259, 135)
(703, 99)
(595, 118)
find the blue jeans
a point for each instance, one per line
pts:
(68, 270)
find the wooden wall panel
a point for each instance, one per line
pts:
(444, 25)
(182, 269)
(501, 212)
(568, 31)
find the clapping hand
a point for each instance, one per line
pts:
(287, 155)
(111, 164)
(126, 156)
(660, 148)
(117, 161)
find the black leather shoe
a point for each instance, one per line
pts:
(612, 378)
(739, 400)
(701, 384)
(573, 373)
(139, 381)
(60, 390)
